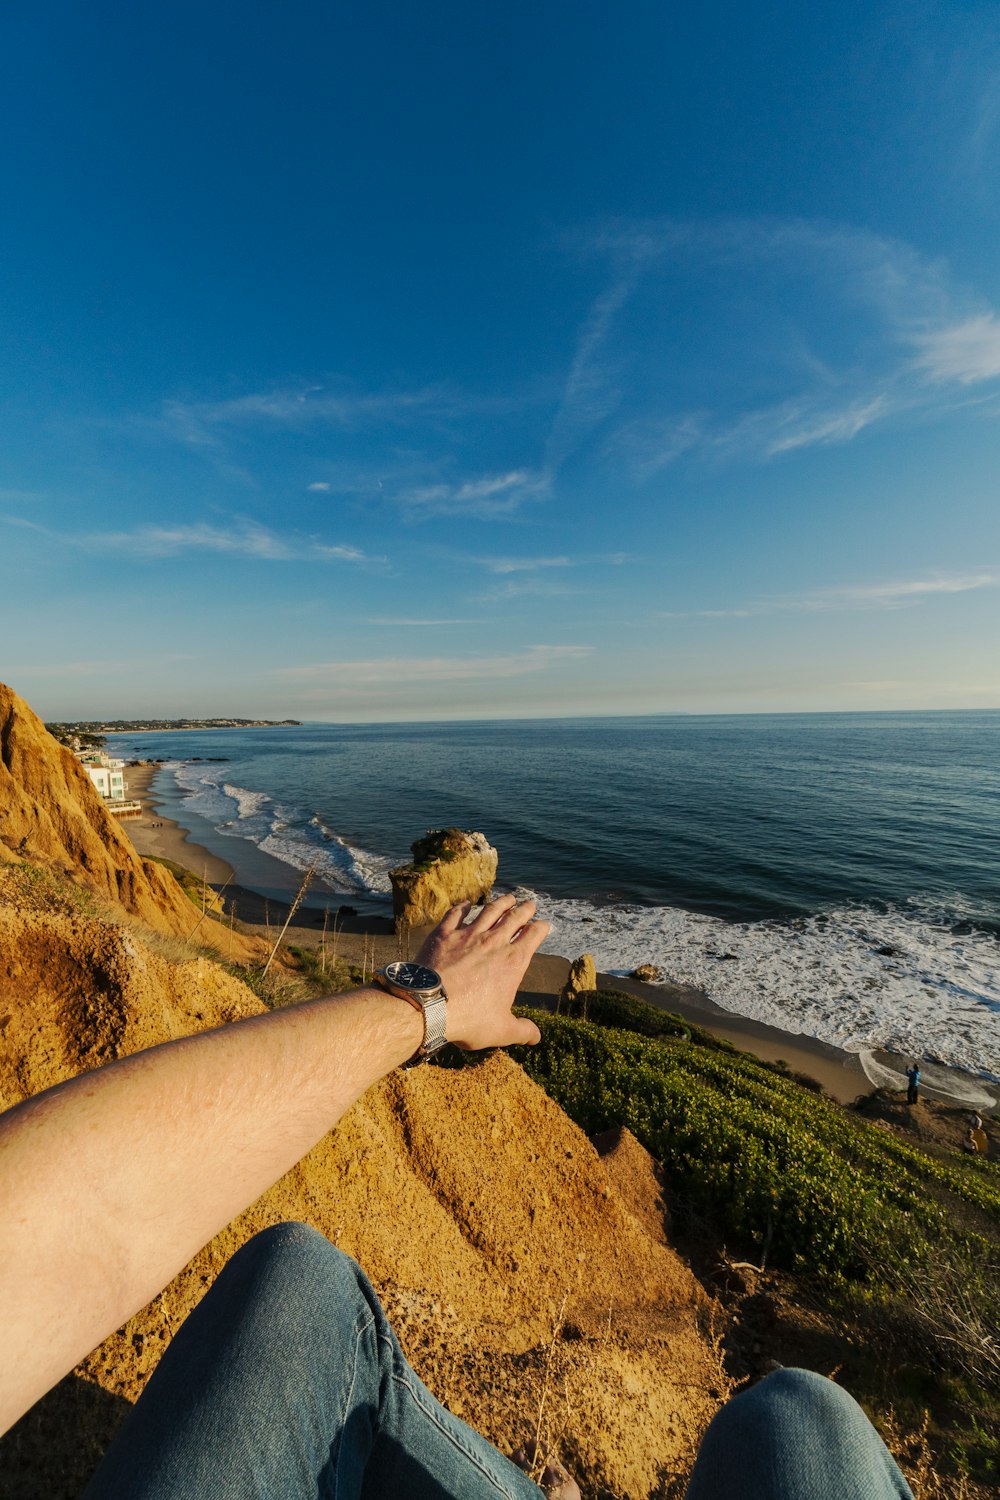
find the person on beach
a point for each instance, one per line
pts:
(913, 1083)
(287, 1382)
(977, 1135)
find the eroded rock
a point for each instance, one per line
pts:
(581, 979)
(449, 866)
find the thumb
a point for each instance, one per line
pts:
(524, 1032)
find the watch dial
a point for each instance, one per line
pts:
(413, 976)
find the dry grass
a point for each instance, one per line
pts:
(911, 1449)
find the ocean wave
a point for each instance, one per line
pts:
(294, 835)
(905, 980)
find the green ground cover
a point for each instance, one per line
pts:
(875, 1228)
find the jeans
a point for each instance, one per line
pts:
(287, 1383)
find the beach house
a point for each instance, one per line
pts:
(108, 775)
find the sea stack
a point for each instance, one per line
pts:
(449, 866)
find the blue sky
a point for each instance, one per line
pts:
(394, 362)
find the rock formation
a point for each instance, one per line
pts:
(448, 866)
(647, 974)
(52, 815)
(581, 979)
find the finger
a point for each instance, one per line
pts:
(492, 912)
(532, 936)
(526, 1033)
(453, 919)
(517, 916)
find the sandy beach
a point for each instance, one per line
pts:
(161, 837)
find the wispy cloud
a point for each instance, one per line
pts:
(651, 444)
(845, 327)
(378, 671)
(966, 352)
(320, 486)
(705, 614)
(395, 622)
(526, 586)
(589, 394)
(885, 595)
(245, 539)
(240, 539)
(199, 423)
(299, 408)
(25, 525)
(805, 422)
(805, 430)
(485, 495)
(524, 564)
(894, 594)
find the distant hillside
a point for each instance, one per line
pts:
(96, 729)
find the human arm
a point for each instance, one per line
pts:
(109, 1183)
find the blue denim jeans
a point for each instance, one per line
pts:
(287, 1383)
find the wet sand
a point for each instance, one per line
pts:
(366, 937)
(163, 838)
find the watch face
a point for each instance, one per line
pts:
(413, 976)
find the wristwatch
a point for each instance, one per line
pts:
(424, 989)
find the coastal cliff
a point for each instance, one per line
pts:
(53, 818)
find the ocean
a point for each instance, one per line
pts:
(830, 874)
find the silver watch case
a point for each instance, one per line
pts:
(423, 988)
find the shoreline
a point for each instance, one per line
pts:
(840, 1072)
(160, 837)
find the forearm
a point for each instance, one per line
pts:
(111, 1182)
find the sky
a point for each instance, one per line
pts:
(395, 362)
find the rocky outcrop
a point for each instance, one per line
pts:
(52, 815)
(511, 1262)
(647, 974)
(581, 979)
(448, 866)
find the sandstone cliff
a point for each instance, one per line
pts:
(52, 815)
(448, 866)
(510, 1254)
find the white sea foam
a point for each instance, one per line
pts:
(248, 804)
(292, 835)
(861, 979)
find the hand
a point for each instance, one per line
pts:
(482, 965)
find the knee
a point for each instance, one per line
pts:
(799, 1401)
(290, 1241)
(807, 1391)
(292, 1265)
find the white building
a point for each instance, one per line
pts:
(108, 775)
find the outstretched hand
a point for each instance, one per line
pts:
(482, 963)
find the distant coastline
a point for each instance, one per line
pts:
(97, 728)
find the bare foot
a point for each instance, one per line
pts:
(554, 1480)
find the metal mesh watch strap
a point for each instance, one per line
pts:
(435, 1028)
